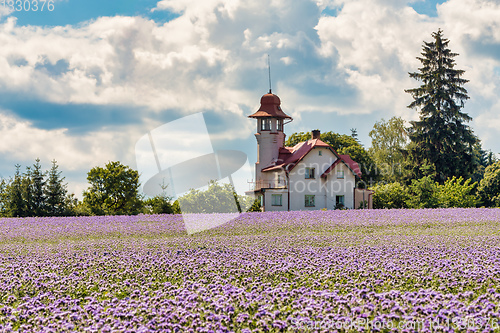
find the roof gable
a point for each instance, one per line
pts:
(346, 159)
(289, 157)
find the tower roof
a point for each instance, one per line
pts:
(270, 107)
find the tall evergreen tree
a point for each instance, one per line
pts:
(38, 184)
(15, 202)
(441, 143)
(27, 192)
(4, 186)
(55, 191)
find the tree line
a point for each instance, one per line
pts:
(113, 190)
(36, 193)
(436, 161)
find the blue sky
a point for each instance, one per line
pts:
(82, 83)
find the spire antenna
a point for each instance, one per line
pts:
(269, 68)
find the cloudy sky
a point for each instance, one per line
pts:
(81, 81)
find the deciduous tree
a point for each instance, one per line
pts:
(113, 190)
(389, 139)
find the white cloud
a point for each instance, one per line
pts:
(376, 45)
(22, 142)
(214, 56)
(20, 138)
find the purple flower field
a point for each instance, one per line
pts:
(362, 270)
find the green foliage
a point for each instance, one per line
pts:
(113, 190)
(389, 139)
(15, 203)
(158, 204)
(489, 187)
(337, 141)
(482, 159)
(457, 192)
(392, 195)
(218, 198)
(55, 192)
(3, 197)
(29, 194)
(176, 207)
(425, 193)
(38, 186)
(441, 144)
(255, 207)
(344, 145)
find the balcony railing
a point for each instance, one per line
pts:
(267, 184)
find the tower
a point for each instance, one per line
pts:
(270, 133)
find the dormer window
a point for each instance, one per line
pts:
(265, 124)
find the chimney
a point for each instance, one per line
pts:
(315, 134)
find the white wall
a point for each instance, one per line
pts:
(324, 190)
(268, 200)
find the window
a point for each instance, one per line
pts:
(320, 153)
(280, 125)
(309, 201)
(339, 200)
(265, 124)
(276, 199)
(340, 174)
(309, 173)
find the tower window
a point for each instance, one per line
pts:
(265, 124)
(280, 125)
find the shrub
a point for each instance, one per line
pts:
(457, 192)
(392, 195)
(423, 193)
(489, 187)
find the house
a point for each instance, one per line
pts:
(311, 175)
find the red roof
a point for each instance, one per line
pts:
(289, 157)
(270, 107)
(348, 161)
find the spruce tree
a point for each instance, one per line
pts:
(16, 204)
(27, 192)
(55, 192)
(38, 184)
(441, 143)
